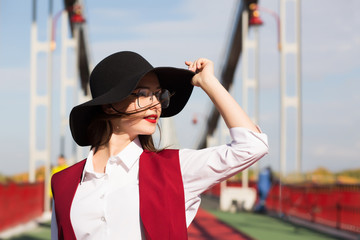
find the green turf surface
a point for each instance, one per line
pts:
(42, 232)
(262, 227)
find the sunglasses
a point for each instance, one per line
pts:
(145, 97)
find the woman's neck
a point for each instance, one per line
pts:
(117, 143)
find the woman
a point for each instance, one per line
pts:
(126, 188)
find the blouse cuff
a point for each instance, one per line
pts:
(239, 134)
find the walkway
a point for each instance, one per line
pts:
(212, 224)
(207, 227)
(204, 227)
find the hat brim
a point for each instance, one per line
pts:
(176, 80)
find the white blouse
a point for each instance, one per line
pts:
(106, 205)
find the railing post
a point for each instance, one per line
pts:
(338, 215)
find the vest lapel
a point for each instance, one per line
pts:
(64, 185)
(162, 204)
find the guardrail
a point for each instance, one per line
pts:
(336, 206)
(20, 203)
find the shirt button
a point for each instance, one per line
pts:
(102, 196)
(103, 219)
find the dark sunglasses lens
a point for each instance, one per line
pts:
(165, 98)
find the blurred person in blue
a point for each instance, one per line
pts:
(127, 188)
(264, 185)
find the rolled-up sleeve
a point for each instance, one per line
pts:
(204, 168)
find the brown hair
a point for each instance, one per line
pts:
(100, 130)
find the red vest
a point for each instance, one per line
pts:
(162, 203)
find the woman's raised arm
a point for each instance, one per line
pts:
(230, 110)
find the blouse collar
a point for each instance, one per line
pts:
(126, 158)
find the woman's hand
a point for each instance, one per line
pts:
(204, 70)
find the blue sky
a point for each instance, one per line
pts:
(169, 32)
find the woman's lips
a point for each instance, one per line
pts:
(151, 118)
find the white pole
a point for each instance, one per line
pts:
(169, 137)
(282, 91)
(290, 101)
(33, 68)
(256, 87)
(245, 28)
(49, 111)
(249, 82)
(299, 90)
(63, 80)
(36, 101)
(66, 82)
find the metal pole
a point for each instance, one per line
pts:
(65, 44)
(249, 81)
(290, 101)
(299, 90)
(169, 136)
(36, 101)
(282, 91)
(256, 89)
(32, 121)
(78, 97)
(282, 104)
(49, 111)
(256, 75)
(245, 29)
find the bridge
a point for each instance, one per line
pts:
(243, 44)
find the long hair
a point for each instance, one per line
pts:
(100, 130)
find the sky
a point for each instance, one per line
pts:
(167, 33)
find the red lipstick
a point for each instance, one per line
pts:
(151, 118)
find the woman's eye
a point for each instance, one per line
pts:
(158, 94)
(142, 93)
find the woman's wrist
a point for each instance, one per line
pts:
(211, 85)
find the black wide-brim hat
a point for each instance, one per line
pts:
(116, 77)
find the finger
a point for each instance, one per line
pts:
(199, 63)
(190, 65)
(193, 66)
